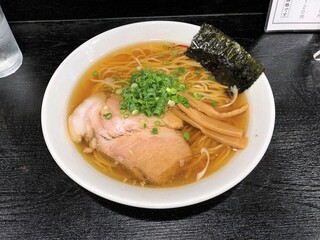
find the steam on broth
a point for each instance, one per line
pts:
(208, 102)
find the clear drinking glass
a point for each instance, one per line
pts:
(10, 54)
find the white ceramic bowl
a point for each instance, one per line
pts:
(53, 119)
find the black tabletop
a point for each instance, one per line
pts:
(280, 199)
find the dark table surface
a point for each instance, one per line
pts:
(280, 199)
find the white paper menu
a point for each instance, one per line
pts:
(293, 15)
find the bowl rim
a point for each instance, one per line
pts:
(144, 201)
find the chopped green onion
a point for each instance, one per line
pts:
(154, 131)
(198, 72)
(135, 112)
(165, 47)
(171, 103)
(186, 135)
(134, 85)
(173, 91)
(119, 91)
(150, 91)
(157, 123)
(95, 74)
(183, 101)
(214, 103)
(181, 69)
(181, 87)
(144, 125)
(174, 99)
(197, 96)
(107, 116)
(211, 78)
(174, 52)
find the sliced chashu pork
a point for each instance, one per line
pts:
(152, 157)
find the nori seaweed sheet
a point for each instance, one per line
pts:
(229, 62)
